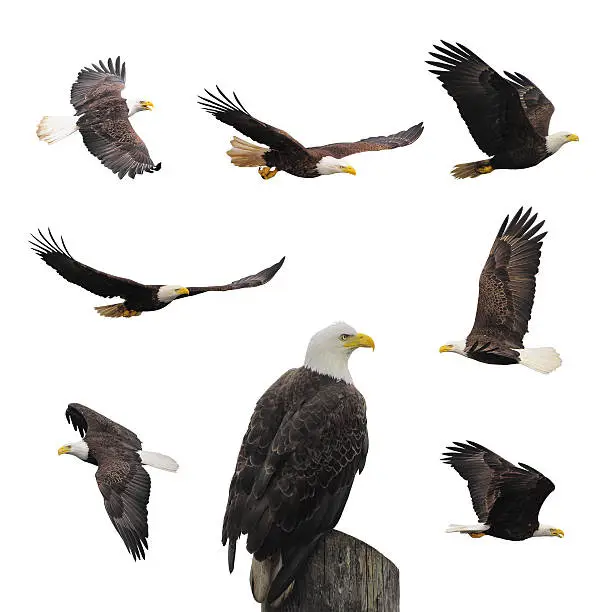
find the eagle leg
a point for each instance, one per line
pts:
(485, 169)
(477, 535)
(266, 173)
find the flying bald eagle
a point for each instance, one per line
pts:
(138, 298)
(102, 119)
(283, 152)
(507, 499)
(507, 117)
(506, 291)
(306, 441)
(123, 482)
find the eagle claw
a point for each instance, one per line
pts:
(266, 173)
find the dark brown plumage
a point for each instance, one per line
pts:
(306, 441)
(284, 152)
(505, 497)
(138, 297)
(507, 117)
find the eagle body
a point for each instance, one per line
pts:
(306, 441)
(508, 117)
(283, 152)
(507, 499)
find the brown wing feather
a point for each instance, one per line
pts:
(375, 143)
(254, 280)
(233, 113)
(538, 107)
(507, 282)
(98, 85)
(125, 486)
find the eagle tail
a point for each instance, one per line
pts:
(262, 575)
(247, 154)
(467, 528)
(116, 310)
(159, 461)
(543, 360)
(52, 129)
(473, 169)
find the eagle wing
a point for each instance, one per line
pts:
(254, 280)
(234, 114)
(125, 486)
(375, 143)
(104, 124)
(100, 283)
(507, 282)
(85, 420)
(295, 469)
(537, 106)
(489, 104)
(497, 487)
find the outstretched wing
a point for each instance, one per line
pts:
(98, 85)
(100, 283)
(85, 420)
(537, 106)
(375, 143)
(104, 124)
(234, 114)
(255, 280)
(125, 486)
(489, 104)
(507, 282)
(495, 483)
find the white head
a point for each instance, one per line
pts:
(167, 293)
(547, 530)
(457, 346)
(555, 141)
(135, 106)
(329, 350)
(79, 449)
(331, 165)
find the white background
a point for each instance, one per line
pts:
(395, 251)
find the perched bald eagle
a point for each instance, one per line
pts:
(507, 499)
(507, 117)
(102, 119)
(283, 152)
(306, 441)
(138, 298)
(506, 291)
(123, 482)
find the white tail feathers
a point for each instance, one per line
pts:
(480, 528)
(159, 461)
(246, 154)
(52, 129)
(543, 360)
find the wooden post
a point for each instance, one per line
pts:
(344, 575)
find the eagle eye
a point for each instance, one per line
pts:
(344, 337)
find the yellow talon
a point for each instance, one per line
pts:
(477, 535)
(266, 173)
(485, 169)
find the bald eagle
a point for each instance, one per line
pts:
(507, 499)
(138, 298)
(102, 119)
(505, 298)
(306, 442)
(125, 485)
(507, 117)
(283, 152)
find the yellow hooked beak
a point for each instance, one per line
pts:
(182, 291)
(148, 105)
(573, 138)
(359, 340)
(349, 170)
(446, 348)
(62, 450)
(557, 532)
